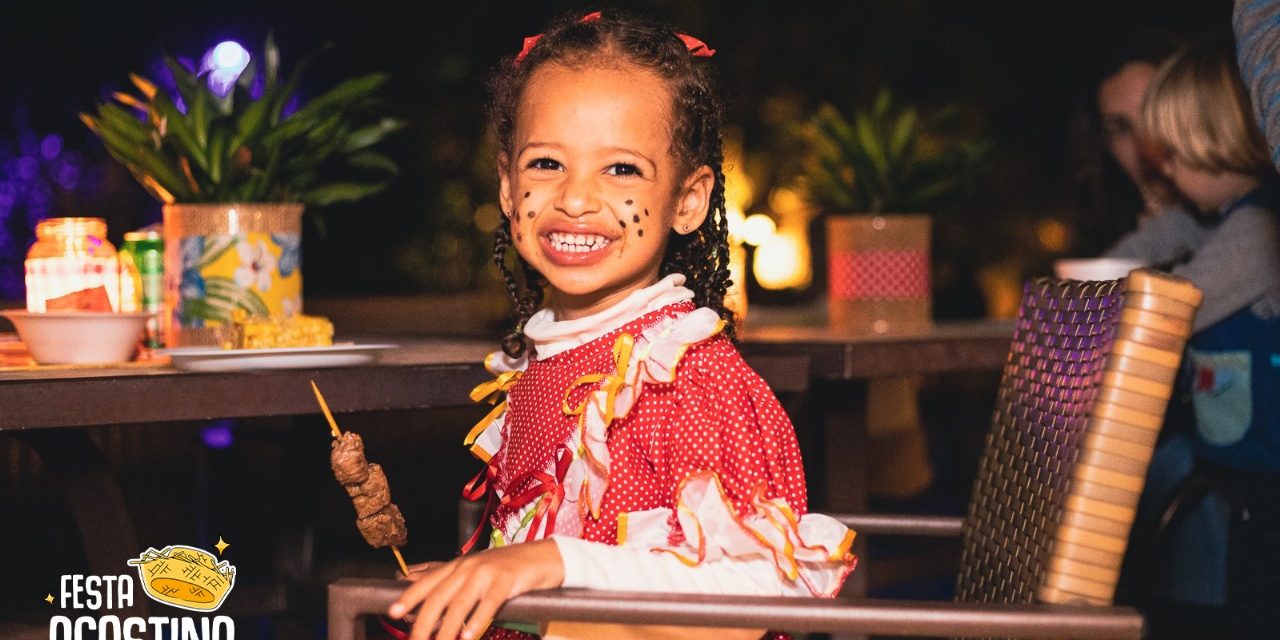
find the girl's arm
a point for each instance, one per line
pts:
(593, 565)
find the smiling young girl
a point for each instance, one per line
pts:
(635, 449)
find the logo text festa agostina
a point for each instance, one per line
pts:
(105, 593)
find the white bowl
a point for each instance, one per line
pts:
(1096, 268)
(79, 337)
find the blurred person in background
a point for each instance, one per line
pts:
(1198, 125)
(1118, 189)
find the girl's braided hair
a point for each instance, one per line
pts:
(703, 255)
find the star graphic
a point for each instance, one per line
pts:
(48, 597)
(222, 545)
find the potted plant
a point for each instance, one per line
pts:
(234, 159)
(876, 177)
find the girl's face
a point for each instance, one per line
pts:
(592, 188)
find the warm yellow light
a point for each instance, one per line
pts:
(736, 222)
(738, 190)
(757, 229)
(1053, 235)
(785, 201)
(735, 298)
(781, 262)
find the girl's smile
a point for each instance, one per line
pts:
(592, 187)
(576, 245)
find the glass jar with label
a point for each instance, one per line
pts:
(72, 267)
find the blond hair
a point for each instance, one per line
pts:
(1197, 110)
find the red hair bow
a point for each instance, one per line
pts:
(696, 47)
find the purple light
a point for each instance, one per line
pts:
(27, 167)
(225, 62)
(229, 56)
(218, 435)
(51, 146)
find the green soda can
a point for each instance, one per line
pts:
(144, 249)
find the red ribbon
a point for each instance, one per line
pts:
(549, 507)
(696, 47)
(478, 486)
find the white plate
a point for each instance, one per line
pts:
(214, 359)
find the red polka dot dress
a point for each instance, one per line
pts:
(658, 437)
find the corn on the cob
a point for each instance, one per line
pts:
(258, 332)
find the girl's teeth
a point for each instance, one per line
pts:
(577, 242)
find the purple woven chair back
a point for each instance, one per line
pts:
(1060, 348)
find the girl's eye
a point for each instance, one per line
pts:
(623, 169)
(544, 164)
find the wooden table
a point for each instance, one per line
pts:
(428, 373)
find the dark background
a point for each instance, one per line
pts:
(1023, 74)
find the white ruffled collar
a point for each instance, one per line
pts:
(551, 336)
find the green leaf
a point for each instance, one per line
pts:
(341, 192)
(250, 124)
(371, 135)
(216, 246)
(903, 133)
(245, 79)
(187, 82)
(200, 115)
(270, 62)
(882, 105)
(227, 291)
(346, 93)
(869, 139)
(177, 130)
(219, 136)
(124, 123)
(373, 161)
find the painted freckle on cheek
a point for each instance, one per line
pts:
(646, 213)
(526, 194)
(622, 223)
(530, 214)
(640, 232)
(630, 202)
(635, 219)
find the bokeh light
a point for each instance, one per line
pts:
(225, 62)
(757, 229)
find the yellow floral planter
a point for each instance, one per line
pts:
(219, 257)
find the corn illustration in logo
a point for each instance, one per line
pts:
(185, 577)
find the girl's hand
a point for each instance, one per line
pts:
(416, 570)
(463, 595)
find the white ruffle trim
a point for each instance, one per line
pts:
(551, 337)
(812, 550)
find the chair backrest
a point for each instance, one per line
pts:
(1081, 400)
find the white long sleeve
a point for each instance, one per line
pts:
(593, 565)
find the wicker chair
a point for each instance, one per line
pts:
(1081, 400)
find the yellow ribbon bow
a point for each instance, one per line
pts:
(611, 383)
(489, 391)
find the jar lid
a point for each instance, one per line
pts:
(141, 234)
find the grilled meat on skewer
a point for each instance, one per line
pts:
(371, 495)
(347, 459)
(378, 519)
(384, 528)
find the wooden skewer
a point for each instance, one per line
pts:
(400, 559)
(337, 433)
(324, 406)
